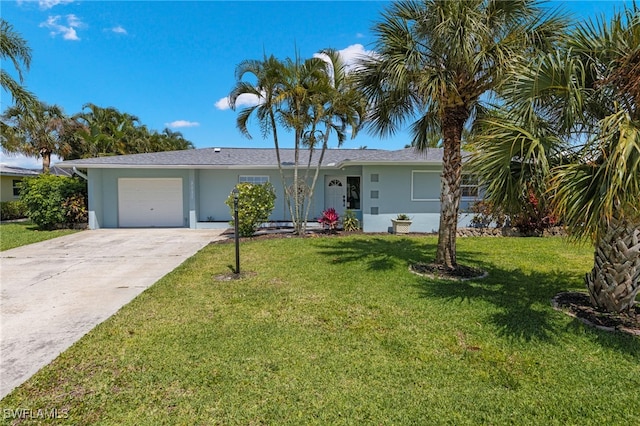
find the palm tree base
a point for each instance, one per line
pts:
(578, 305)
(613, 282)
(439, 271)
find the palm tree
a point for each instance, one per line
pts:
(267, 74)
(435, 62)
(571, 121)
(172, 141)
(304, 88)
(338, 106)
(14, 48)
(35, 131)
(309, 97)
(107, 131)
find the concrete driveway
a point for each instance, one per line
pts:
(54, 292)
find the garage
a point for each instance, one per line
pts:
(150, 202)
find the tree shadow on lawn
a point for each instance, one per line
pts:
(379, 254)
(523, 298)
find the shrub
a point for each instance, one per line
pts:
(10, 210)
(350, 222)
(75, 209)
(532, 217)
(53, 201)
(330, 219)
(486, 214)
(255, 204)
(535, 215)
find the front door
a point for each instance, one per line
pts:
(335, 193)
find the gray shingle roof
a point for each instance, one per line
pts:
(254, 157)
(17, 171)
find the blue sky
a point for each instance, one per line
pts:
(171, 63)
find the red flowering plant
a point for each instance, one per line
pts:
(330, 219)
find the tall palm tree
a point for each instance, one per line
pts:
(338, 107)
(267, 74)
(14, 48)
(35, 131)
(302, 94)
(435, 62)
(572, 122)
(309, 97)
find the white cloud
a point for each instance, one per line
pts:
(182, 123)
(68, 31)
(350, 55)
(119, 30)
(359, 35)
(244, 100)
(45, 4)
(48, 4)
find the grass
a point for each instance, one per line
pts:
(16, 234)
(338, 331)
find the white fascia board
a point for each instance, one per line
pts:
(183, 166)
(389, 163)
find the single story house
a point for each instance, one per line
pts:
(189, 188)
(10, 177)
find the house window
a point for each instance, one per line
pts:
(469, 186)
(425, 185)
(353, 192)
(374, 177)
(374, 210)
(256, 180)
(375, 194)
(16, 187)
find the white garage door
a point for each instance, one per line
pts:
(150, 202)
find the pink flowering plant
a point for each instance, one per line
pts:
(330, 219)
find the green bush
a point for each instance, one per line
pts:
(350, 222)
(10, 210)
(255, 204)
(54, 201)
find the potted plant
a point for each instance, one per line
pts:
(401, 224)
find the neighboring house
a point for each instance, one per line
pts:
(189, 188)
(10, 177)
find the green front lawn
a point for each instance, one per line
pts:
(16, 234)
(338, 331)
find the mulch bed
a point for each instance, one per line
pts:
(461, 272)
(579, 305)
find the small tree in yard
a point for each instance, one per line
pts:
(255, 204)
(53, 201)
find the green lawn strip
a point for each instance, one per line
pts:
(16, 234)
(338, 331)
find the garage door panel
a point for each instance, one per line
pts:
(150, 202)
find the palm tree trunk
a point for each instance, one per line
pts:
(46, 160)
(297, 222)
(613, 281)
(283, 179)
(452, 126)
